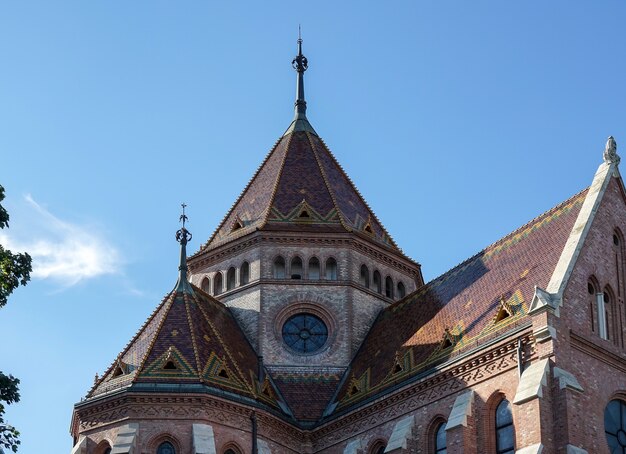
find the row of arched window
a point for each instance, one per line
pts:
(502, 433)
(217, 286)
(168, 448)
(391, 291)
(295, 270)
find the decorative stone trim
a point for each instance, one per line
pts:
(126, 440)
(571, 449)
(263, 447)
(544, 333)
(461, 409)
(203, 439)
(543, 300)
(402, 432)
(354, 447)
(81, 446)
(566, 380)
(532, 449)
(532, 381)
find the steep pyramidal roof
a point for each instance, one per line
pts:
(478, 300)
(300, 186)
(191, 338)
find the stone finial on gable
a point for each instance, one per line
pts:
(610, 151)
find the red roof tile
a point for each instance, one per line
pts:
(459, 309)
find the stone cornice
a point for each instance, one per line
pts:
(353, 241)
(589, 347)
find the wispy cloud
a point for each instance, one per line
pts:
(63, 251)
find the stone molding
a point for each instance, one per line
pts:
(203, 439)
(571, 449)
(533, 379)
(461, 409)
(81, 446)
(126, 439)
(532, 449)
(566, 379)
(401, 434)
(598, 352)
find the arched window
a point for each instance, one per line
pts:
(206, 284)
(364, 278)
(592, 291)
(279, 268)
(378, 285)
(505, 432)
(217, 283)
(296, 268)
(232, 451)
(618, 307)
(314, 268)
(331, 269)
(230, 278)
(244, 273)
(388, 287)
(378, 447)
(166, 448)
(609, 303)
(401, 290)
(615, 425)
(107, 451)
(439, 439)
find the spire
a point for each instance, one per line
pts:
(183, 236)
(300, 64)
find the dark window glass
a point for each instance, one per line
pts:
(166, 448)
(217, 284)
(279, 268)
(378, 286)
(388, 287)
(296, 268)
(401, 290)
(244, 273)
(230, 451)
(331, 269)
(505, 433)
(305, 333)
(107, 451)
(206, 286)
(364, 278)
(230, 278)
(440, 439)
(314, 268)
(615, 426)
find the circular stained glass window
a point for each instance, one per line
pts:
(305, 333)
(615, 426)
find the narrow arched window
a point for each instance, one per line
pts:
(439, 441)
(608, 314)
(217, 283)
(505, 432)
(166, 448)
(364, 277)
(231, 451)
(244, 273)
(230, 278)
(378, 447)
(378, 285)
(279, 268)
(206, 284)
(314, 268)
(331, 269)
(591, 290)
(296, 268)
(401, 290)
(388, 287)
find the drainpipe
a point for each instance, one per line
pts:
(520, 367)
(255, 448)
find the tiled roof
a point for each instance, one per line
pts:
(477, 300)
(190, 338)
(300, 185)
(307, 394)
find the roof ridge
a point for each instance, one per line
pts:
(325, 178)
(347, 177)
(505, 237)
(276, 182)
(243, 192)
(172, 297)
(131, 342)
(193, 336)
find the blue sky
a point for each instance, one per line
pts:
(458, 121)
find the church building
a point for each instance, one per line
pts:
(300, 326)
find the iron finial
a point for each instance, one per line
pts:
(300, 64)
(183, 236)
